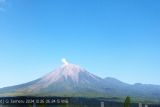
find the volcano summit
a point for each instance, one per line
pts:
(70, 80)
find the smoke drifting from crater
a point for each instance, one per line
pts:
(64, 61)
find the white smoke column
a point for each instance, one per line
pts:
(64, 61)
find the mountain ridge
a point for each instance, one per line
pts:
(74, 81)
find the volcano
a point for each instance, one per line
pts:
(71, 80)
(67, 80)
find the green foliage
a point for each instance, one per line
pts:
(127, 102)
(42, 105)
(30, 105)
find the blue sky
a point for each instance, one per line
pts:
(110, 38)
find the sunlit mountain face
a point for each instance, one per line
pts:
(71, 80)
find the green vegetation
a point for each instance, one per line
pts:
(127, 102)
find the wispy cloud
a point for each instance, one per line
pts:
(2, 1)
(2, 5)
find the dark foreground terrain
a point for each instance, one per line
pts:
(64, 102)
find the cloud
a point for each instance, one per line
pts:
(2, 5)
(2, 1)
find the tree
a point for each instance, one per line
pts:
(42, 105)
(127, 102)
